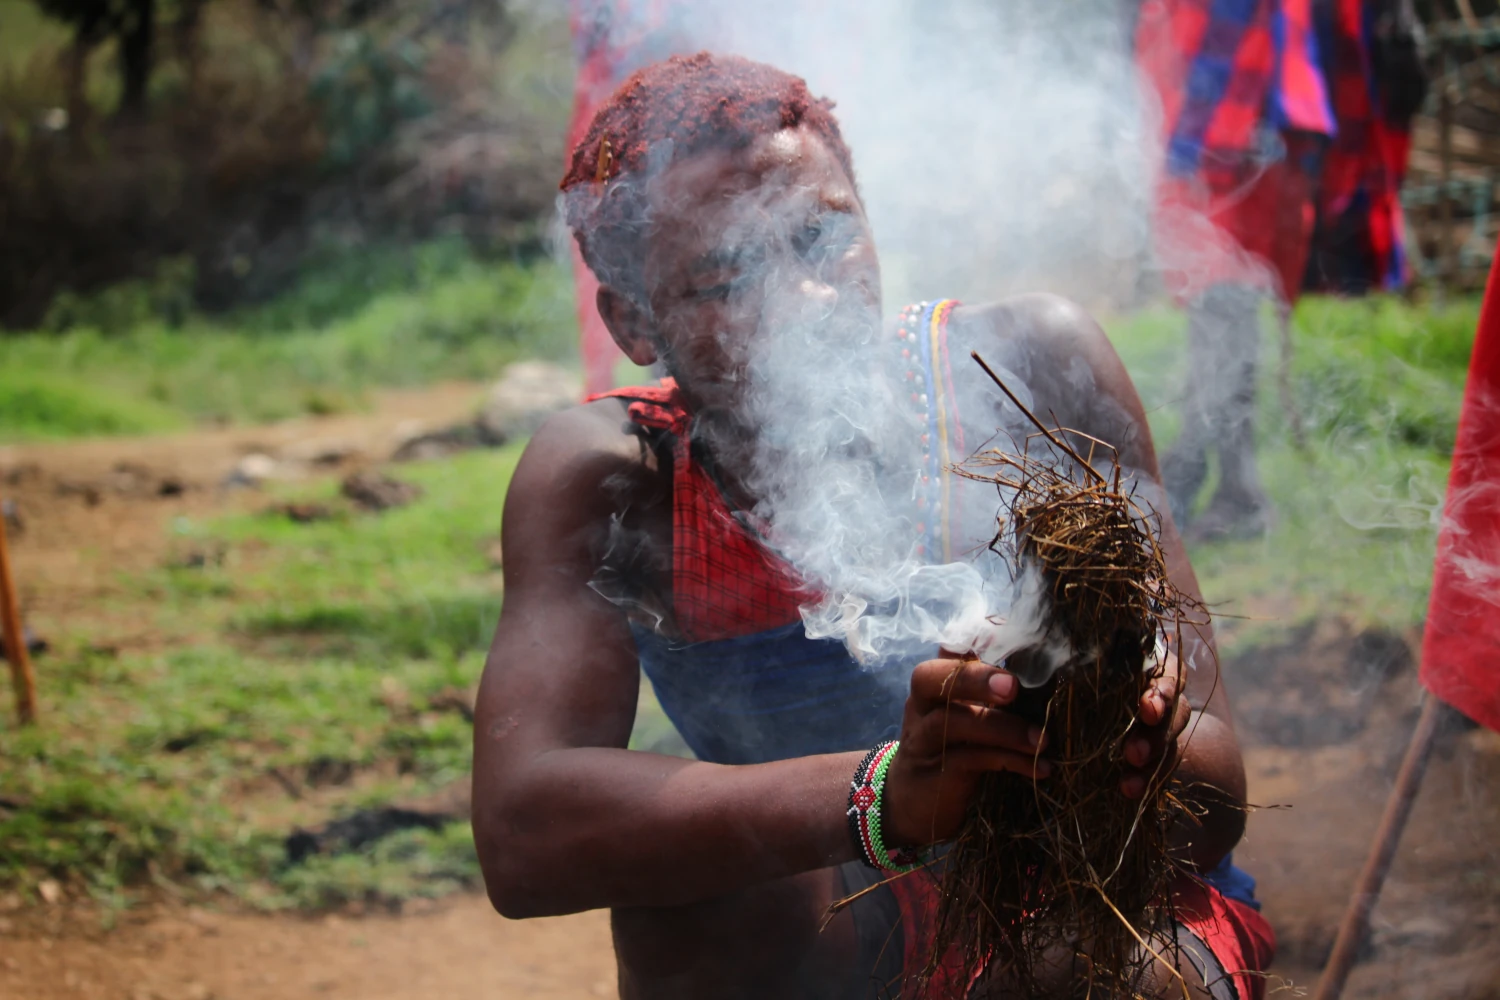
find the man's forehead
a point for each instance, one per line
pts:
(793, 164)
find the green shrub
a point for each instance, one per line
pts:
(46, 405)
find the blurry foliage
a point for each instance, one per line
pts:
(268, 132)
(386, 318)
(366, 91)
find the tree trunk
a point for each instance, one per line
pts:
(85, 38)
(189, 18)
(136, 43)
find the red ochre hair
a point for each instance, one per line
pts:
(663, 113)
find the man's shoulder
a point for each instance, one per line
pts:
(1040, 321)
(580, 451)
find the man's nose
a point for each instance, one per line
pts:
(817, 299)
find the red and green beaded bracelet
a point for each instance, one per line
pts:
(866, 798)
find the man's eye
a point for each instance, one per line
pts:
(824, 240)
(718, 292)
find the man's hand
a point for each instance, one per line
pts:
(955, 730)
(1151, 745)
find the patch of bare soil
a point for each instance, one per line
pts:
(1324, 717)
(456, 948)
(87, 513)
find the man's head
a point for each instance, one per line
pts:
(714, 197)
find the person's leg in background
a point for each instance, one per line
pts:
(1271, 221)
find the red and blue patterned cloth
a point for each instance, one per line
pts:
(1244, 113)
(1273, 114)
(1360, 242)
(1227, 73)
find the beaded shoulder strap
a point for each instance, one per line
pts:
(922, 332)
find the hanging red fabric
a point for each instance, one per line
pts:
(1461, 645)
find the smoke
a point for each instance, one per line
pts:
(997, 148)
(1000, 147)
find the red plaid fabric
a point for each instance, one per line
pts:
(725, 581)
(1365, 166)
(1229, 74)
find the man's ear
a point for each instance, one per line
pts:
(628, 325)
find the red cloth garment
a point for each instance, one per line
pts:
(1363, 229)
(1461, 642)
(1244, 109)
(1239, 937)
(1208, 230)
(725, 581)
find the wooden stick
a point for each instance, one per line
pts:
(1367, 890)
(15, 639)
(1061, 445)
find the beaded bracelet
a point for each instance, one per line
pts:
(866, 795)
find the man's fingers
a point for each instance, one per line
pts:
(1161, 695)
(941, 681)
(963, 724)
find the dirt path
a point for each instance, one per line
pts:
(94, 511)
(458, 948)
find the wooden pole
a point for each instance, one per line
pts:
(15, 639)
(1367, 890)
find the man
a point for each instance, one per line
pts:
(1245, 116)
(714, 198)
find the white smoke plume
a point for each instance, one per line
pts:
(998, 148)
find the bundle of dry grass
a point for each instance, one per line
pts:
(1060, 887)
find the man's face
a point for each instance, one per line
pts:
(749, 242)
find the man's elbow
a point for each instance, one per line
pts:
(503, 863)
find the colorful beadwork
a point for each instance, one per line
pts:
(866, 798)
(922, 332)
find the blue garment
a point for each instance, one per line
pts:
(771, 695)
(1234, 883)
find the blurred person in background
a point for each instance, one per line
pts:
(611, 40)
(1244, 120)
(1369, 51)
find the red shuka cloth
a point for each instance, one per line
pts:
(1461, 644)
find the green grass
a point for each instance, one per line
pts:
(308, 650)
(24, 30)
(1378, 385)
(309, 646)
(116, 367)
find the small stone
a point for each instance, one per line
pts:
(526, 394)
(373, 491)
(50, 891)
(252, 470)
